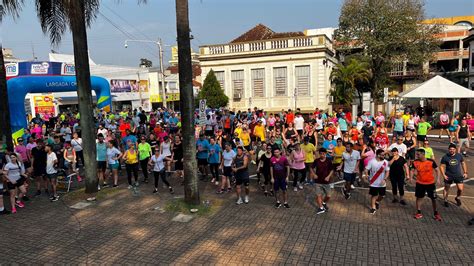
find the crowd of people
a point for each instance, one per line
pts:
(288, 149)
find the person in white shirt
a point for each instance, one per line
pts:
(15, 173)
(51, 172)
(350, 163)
(299, 124)
(158, 163)
(400, 146)
(378, 169)
(227, 158)
(76, 143)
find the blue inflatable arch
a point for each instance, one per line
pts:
(20, 86)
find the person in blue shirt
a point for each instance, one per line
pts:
(202, 146)
(342, 124)
(101, 147)
(130, 138)
(329, 144)
(214, 159)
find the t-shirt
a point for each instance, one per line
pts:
(279, 167)
(144, 151)
(77, 144)
(299, 123)
(338, 151)
(350, 161)
(228, 157)
(428, 152)
(101, 152)
(39, 157)
(158, 162)
(132, 158)
(50, 169)
(398, 125)
(377, 170)
(14, 171)
(367, 131)
(425, 171)
(112, 154)
(423, 128)
(397, 169)
(453, 165)
(214, 150)
(204, 146)
(259, 132)
(342, 124)
(444, 119)
(21, 149)
(402, 148)
(323, 169)
(329, 146)
(309, 150)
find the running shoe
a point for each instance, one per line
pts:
(325, 206)
(105, 185)
(320, 210)
(458, 201)
(277, 205)
(446, 204)
(437, 217)
(145, 181)
(353, 187)
(373, 211)
(286, 205)
(137, 184)
(115, 186)
(229, 189)
(265, 193)
(239, 201)
(246, 199)
(219, 191)
(155, 191)
(418, 216)
(348, 196)
(300, 187)
(14, 210)
(295, 189)
(98, 187)
(402, 202)
(55, 198)
(130, 187)
(171, 190)
(5, 211)
(377, 205)
(20, 204)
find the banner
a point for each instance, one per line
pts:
(44, 105)
(120, 85)
(170, 97)
(144, 85)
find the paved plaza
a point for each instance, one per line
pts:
(127, 228)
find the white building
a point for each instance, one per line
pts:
(470, 40)
(273, 71)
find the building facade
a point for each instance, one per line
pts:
(470, 41)
(273, 71)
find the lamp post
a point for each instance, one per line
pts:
(162, 73)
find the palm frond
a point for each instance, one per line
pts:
(10, 7)
(53, 18)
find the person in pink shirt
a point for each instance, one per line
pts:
(470, 122)
(297, 158)
(38, 131)
(23, 152)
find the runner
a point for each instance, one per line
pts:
(130, 157)
(350, 165)
(265, 169)
(240, 169)
(322, 176)
(410, 141)
(280, 170)
(397, 127)
(51, 172)
(453, 127)
(228, 156)
(214, 160)
(144, 154)
(378, 170)
(101, 148)
(310, 153)
(15, 173)
(159, 171)
(398, 172)
(429, 153)
(454, 170)
(444, 124)
(297, 158)
(38, 160)
(427, 175)
(202, 154)
(463, 136)
(423, 129)
(113, 160)
(337, 159)
(178, 157)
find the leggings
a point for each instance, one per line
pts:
(132, 168)
(398, 182)
(302, 173)
(214, 170)
(144, 165)
(161, 174)
(80, 155)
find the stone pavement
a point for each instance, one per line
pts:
(124, 228)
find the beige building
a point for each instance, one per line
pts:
(470, 41)
(273, 71)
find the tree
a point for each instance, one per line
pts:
(384, 32)
(7, 7)
(347, 79)
(191, 190)
(212, 92)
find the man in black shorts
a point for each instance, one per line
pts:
(454, 170)
(38, 161)
(241, 172)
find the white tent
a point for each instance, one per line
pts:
(438, 87)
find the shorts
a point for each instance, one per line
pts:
(39, 171)
(209, 133)
(452, 128)
(323, 190)
(18, 183)
(335, 165)
(52, 176)
(247, 148)
(227, 171)
(279, 184)
(27, 164)
(242, 180)
(411, 129)
(421, 190)
(464, 142)
(350, 177)
(178, 165)
(455, 180)
(444, 126)
(202, 162)
(101, 165)
(300, 132)
(271, 128)
(343, 132)
(421, 137)
(114, 166)
(397, 134)
(410, 154)
(377, 191)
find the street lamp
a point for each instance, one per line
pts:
(160, 49)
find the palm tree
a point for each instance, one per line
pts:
(7, 7)
(191, 191)
(346, 79)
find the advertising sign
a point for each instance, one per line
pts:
(39, 68)
(366, 101)
(120, 85)
(144, 85)
(44, 104)
(68, 69)
(170, 97)
(202, 112)
(12, 69)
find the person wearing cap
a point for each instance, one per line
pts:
(454, 170)
(397, 174)
(259, 130)
(367, 131)
(400, 146)
(21, 149)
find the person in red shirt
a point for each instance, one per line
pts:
(124, 126)
(290, 117)
(381, 140)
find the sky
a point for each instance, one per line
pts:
(211, 21)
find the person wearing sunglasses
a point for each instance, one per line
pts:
(429, 154)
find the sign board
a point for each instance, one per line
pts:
(68, 69)
(202, 112)
(366, 101)
(385, 95)
(39, 68)
(44, 105)
(12, 69)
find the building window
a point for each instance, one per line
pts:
(258, 82)
(238, 84)
(220, 76)
(280, 81)
(302, 76)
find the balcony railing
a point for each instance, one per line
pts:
(267, 45)
(453, 53)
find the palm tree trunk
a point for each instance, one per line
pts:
(5, 126)
(83, 79)
(191, 190)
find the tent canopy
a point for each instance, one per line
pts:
(438, 87)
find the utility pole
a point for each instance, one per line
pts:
(162, 70)
(191, 190)
(139, 90)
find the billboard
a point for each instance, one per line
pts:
(144, 85)
(44, 104)
(12, 69)
(122, 85)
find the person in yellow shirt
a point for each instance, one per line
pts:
(309, 151)
(405, 117)
(259, 131)
(238, 129)
(245, 138)
(338, 151)
(130, 157)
